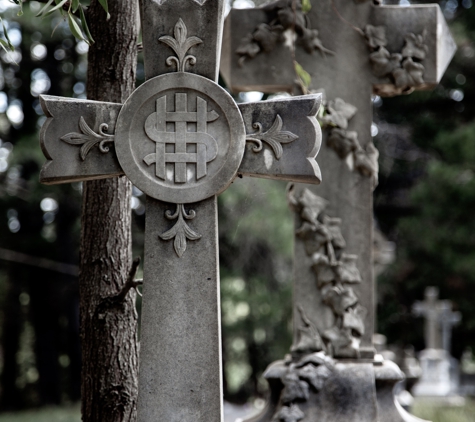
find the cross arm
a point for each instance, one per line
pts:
(77, 140)
(418, 32)
(198, 36)
(283, 138)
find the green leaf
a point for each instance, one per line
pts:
(4, 45)
(58, 6)
(74, 5)
(106, 7)
(306, 6)
(74, 27)
(85, 27)
(303, 75)
(5, 33)
(44, 8)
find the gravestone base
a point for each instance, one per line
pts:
(438, 378)
(349, 392)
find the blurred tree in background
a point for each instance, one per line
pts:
(425, 201)
(39, 336)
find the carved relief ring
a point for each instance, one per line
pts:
(180, 138)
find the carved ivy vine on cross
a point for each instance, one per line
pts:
(335, 117)
(288, 16)
(404, 69)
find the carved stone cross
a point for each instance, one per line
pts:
(182, 140)
(351, 49)
(439, 319)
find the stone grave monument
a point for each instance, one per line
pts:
(182, 140)
(353, 50)
(439, 369)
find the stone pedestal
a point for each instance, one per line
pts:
(439, 377)
(318, 388)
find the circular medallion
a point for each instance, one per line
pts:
(180, 138)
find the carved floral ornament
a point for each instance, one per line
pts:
(404, 69)
(89, 139)
(289, 19)
(335, 117)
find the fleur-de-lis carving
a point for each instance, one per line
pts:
(88, 138)
(180, 45)
(275, 137)
(180, 231)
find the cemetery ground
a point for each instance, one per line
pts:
(434, 413)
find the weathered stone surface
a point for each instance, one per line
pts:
(418, 19)
(172, 133)
(204, 19)
(387, 375)
(180, 351)
(347, 394)
(290, 138)
(192, 161)
(357, 49)
(439, 370)
(65, 163)
(439, 319)
(297, 161)
(351, 50)
(348, 45)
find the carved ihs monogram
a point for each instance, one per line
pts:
(156, 130)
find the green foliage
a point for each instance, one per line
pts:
(303, 75)
(437, 412)
(106, 7)
(52, 414)
(306, 6)
(438, 240)
(426, 197)
(69, 9)
(256, 231)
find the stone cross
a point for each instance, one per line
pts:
(352, 50)
(439, 319)
(448, 319)
(182, 140)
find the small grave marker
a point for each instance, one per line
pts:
(439, 319)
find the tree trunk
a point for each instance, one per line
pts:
(108, 322)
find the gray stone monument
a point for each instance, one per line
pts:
(439, 369)
(352, 50)
(182, 140)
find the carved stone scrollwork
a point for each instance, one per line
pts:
(180, 45)
(288, 16)
(404, 69)
(89, 139)
(336, 115)
(181, 231)
(335, 275)
(274, 137)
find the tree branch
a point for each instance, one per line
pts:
(118, 299)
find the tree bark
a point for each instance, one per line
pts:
(108, 326)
